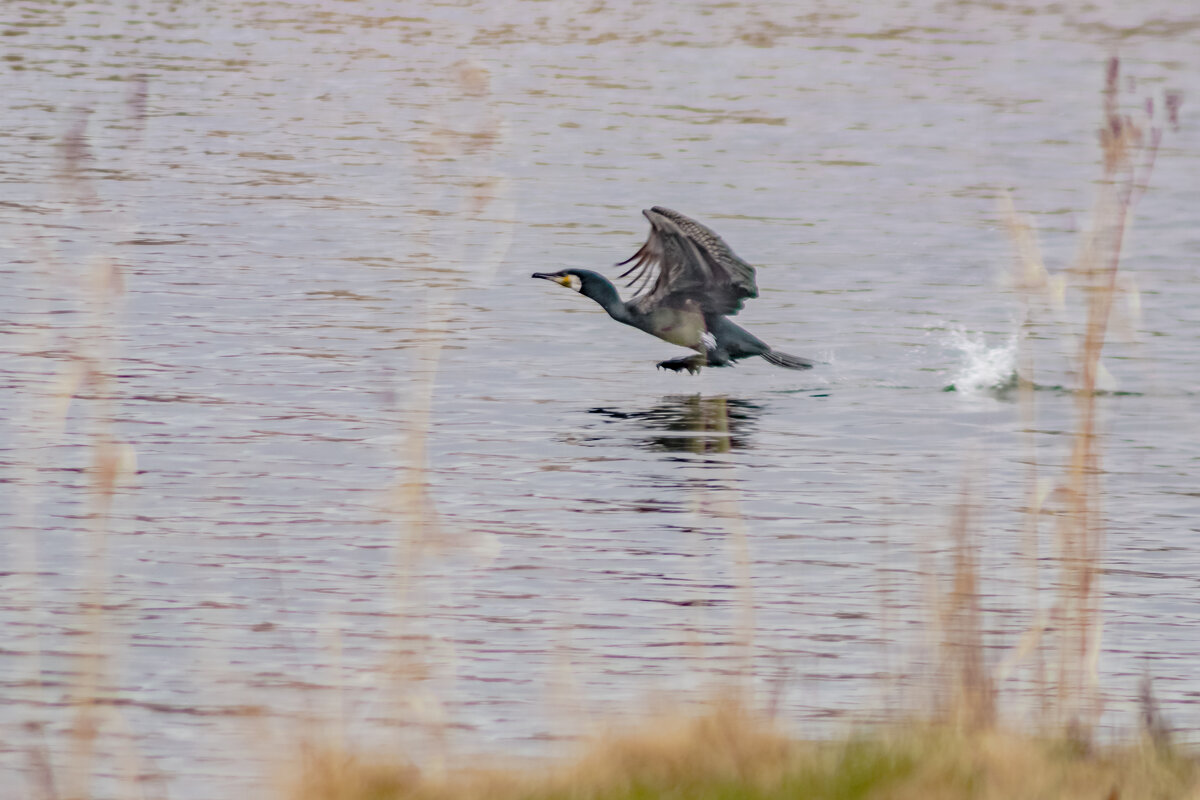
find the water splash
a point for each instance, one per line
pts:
(985, 370)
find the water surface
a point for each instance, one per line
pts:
(379, 476)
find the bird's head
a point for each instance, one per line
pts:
(582, 281)
(589, 284)
(570, 278)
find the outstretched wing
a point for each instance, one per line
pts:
(684, 261)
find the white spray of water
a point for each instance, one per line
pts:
(985, 370)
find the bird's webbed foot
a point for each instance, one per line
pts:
(691, 363)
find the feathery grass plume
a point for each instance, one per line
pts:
(421, 530)
(88, 375)
(1129, 145)
(1128, 149)
(97, 744)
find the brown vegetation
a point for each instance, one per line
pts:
(728, 753)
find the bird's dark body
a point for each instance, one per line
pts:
(732, 341)
(691, 281)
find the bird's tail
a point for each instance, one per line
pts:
(784, 360)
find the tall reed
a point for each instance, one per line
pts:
(1069, 694)
(85, 385)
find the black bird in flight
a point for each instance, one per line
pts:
(691, 282)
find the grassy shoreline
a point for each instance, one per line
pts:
(728, 753)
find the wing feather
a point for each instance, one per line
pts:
(685, 263)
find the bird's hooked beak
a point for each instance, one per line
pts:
(557, 277)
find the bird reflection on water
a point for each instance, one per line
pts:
(693, 423)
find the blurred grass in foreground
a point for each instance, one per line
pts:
(726, 754)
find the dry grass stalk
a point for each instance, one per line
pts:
(421, 530)
(1033, 284)
(86, 380)
(721, 500)
(970, 703)
(91, 365)
(1128, 148)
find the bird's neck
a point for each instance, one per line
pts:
(606, 295)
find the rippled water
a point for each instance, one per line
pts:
(323, 217)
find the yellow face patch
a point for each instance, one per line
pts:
(571, 282)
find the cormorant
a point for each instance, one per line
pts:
(691, 283)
